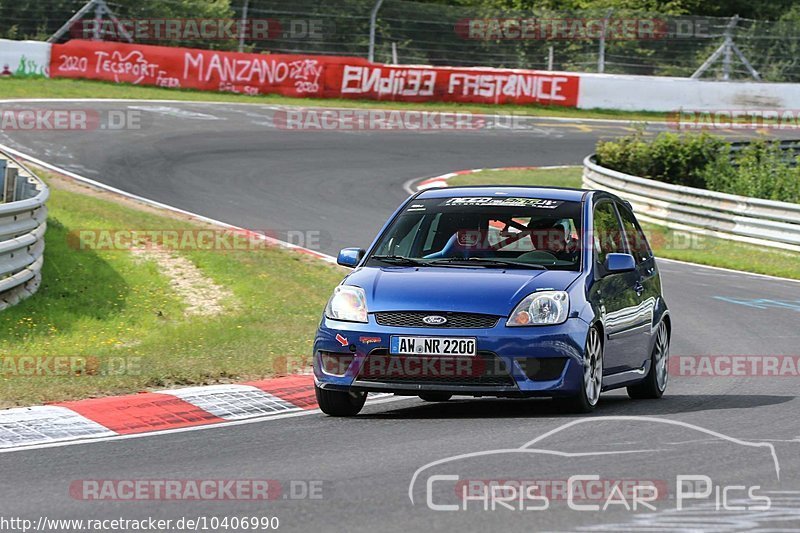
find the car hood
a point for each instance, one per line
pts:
(470, 290)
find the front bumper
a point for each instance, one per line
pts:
(513, 362)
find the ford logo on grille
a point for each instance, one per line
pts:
(434, 320)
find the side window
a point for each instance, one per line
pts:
(634, 237)
(607, 233)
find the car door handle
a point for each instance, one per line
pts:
(639, 288)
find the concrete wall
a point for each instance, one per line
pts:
(24, 58)
(650, 93)
(605, 91)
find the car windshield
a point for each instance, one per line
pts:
(486, 232)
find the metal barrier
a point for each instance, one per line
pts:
(23, 221)
(728, 216)
(790, 150)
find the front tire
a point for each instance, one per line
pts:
(435, 396)
(340, 403)
(654, 384)
(586, 400)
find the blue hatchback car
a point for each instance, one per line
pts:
(497, 291)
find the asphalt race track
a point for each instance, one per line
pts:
(230, 163)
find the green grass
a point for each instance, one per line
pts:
(667, 243)
(67, 88)
(108, 304)
(555, 177)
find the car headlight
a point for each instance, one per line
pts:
(541, 308)
(347, 303)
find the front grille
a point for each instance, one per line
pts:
(413, 319)
(485, 369)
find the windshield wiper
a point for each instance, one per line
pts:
(398, 260)
(487, 261)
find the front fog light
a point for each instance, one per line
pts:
(541, 308)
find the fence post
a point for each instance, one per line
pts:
(373, 21)
(601, 52)
(726, 58)
(98, 18)
(100, 8)
(243, 25)
(725, 50)
(60, 32)
(10, 184)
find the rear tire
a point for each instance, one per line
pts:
(435, 397)
(588, 397)
(654, 384)
(340, 403)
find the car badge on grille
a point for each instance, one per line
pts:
(434, 320)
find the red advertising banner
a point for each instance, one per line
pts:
(472, 85)
(305, 75)
(205, 70)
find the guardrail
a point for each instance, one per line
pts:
(728, 216)
(23, 221)
(790, 150)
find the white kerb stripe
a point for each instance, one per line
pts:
(44, 424)
(233, 402)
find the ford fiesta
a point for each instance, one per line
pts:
(497, 291)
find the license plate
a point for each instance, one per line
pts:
(400, 345)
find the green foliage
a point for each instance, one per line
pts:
(776, 58)
(670, 157)
(759, 170)
(755, 9)
(435, 32)
(37, 20)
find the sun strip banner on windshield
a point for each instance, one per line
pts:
(488, 201)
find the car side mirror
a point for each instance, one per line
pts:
(350, 257)
(616, 263)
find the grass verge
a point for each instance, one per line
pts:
(124, 315)
(667, 243)
(67, 88)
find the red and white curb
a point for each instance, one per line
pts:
(166, 410)
(148, 412)
(185, 409)
(441, 181)
(161, 411)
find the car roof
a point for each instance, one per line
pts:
(544, 193)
